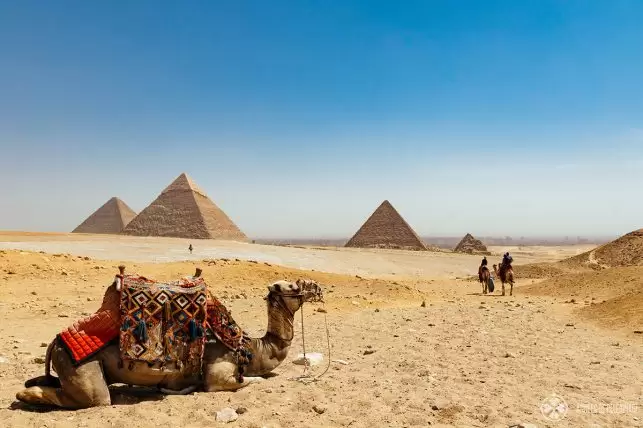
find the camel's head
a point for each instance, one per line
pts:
(313, 292)
(294, 294)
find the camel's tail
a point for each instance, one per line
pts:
(48, 360)
(510, 277)
(48, 378)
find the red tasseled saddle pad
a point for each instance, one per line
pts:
(86, 337)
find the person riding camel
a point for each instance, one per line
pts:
(483, 266)
(506, 263)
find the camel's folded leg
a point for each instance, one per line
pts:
(222, 376)
(233, 385)
(43, 381)
(81, 386)
(47, 396)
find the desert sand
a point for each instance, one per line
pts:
(460, 359)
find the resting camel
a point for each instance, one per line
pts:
(483, 277)
(505, 275)
(86, 385)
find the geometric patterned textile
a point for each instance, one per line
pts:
(163, 323)
(222, 326)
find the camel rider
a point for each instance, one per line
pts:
(483, 265)
(506, 262)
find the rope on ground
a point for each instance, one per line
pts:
(306, 377)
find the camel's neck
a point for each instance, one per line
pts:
(272, 348)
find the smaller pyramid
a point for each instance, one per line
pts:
(112, 217)
(471, 245)
(386, 228)
(183, 210)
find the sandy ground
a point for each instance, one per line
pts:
(350, 261)
(462, 360)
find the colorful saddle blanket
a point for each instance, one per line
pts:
(163, 323)
(158, 323)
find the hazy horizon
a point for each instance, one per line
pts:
(298, 119)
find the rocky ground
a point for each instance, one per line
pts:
(460, 359)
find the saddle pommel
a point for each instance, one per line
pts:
(198, 272)
(121, 269)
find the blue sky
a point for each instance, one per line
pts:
(298, 118)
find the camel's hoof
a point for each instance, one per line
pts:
(33, 395)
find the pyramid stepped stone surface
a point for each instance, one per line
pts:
(471, 245)
(386, 228)
(183, 210)
(112, 217)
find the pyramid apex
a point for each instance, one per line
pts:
(184, 182)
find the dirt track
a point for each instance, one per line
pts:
(463, 360)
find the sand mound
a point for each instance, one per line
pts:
(471, 245)
(612, 297)
(624, 251)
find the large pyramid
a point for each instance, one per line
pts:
(112, 217)
(386, 228)
(471, 245)
(183, 210)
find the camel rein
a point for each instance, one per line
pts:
(305, 377)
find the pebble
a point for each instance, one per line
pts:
(38, 360)
(227, 415)
(241, 410)
(319, 409)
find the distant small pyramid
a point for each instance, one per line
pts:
(182, 210)
(471, 245)
(386, 228)
(112, 217)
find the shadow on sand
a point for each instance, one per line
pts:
(121, 395)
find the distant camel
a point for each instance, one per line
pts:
(506, 274)
(483, 277)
